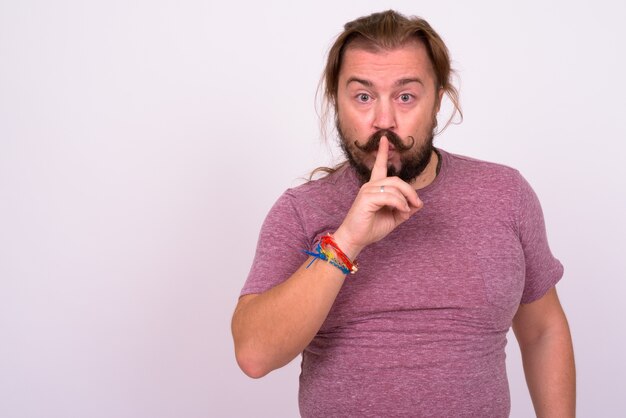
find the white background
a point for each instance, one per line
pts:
(142, 144)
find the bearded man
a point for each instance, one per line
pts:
(451, 253)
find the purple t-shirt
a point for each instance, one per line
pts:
(420, 329)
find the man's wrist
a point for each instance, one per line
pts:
(346, 245)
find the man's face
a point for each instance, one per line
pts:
(386, 93)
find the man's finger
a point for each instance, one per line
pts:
(379, 171)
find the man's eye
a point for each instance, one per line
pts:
(405, 98)
(363, 97)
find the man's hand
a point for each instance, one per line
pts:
(382, 204)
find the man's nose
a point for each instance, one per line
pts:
(385, 116)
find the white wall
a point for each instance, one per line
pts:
(142, 143)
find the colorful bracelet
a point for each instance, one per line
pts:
(328, 250)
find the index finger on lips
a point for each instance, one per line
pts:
(379, 171)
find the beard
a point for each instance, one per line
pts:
(414, 156)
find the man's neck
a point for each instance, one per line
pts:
(429, 174)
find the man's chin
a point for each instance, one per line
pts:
(393, 171)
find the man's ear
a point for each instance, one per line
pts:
(439, 98)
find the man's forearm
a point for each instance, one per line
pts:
(272, 328)
(550, 373)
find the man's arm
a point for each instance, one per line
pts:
(270, 329)
(545, 342)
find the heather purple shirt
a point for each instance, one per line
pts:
(420, 329)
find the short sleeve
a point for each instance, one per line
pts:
(543, 270)
(280, 246)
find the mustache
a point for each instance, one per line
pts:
(394, 139)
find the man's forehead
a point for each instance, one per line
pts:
(397, 83)
(409, 62)
(372, 46)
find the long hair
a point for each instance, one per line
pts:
(383, 31)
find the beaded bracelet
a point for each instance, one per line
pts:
(334, 255)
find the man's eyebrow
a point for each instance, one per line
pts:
(399, 83)
(366, 83)
(405, 81)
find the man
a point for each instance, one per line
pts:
(451, 253)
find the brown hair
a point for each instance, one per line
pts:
(384, 31)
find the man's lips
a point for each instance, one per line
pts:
(391, 153)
